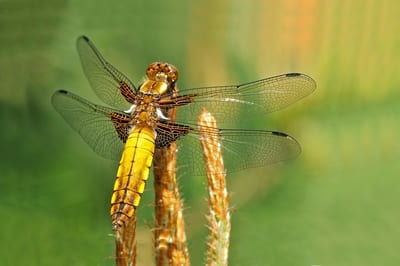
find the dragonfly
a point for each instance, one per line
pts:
(135, 121)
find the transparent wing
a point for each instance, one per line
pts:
(110, 85)
(102, 128)
(226, 103)
(241, 149)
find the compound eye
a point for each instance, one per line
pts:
(172, 73)
(152, 70)
(172, 76)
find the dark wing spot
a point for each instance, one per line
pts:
(85, 38)
(63, 91)
(279, 134)
(292, 74)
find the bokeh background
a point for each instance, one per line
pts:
(337, 204)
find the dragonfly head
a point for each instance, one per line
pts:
(161, 79)
(164, 72)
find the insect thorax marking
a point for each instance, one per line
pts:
(145, 111)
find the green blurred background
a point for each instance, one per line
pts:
(337, 204)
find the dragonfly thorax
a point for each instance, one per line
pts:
(144, 116)
(146, 110)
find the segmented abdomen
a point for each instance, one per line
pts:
(132, 174)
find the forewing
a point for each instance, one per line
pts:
(110, 85)
(241, 149)
(102, 128)
(226, 103)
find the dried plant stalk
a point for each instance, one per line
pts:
(169, 232)
(219, 215)
(125, 243)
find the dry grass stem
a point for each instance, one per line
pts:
(219, 215)
(169, 232)
(125, 253)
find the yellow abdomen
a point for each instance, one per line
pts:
(132, 174)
